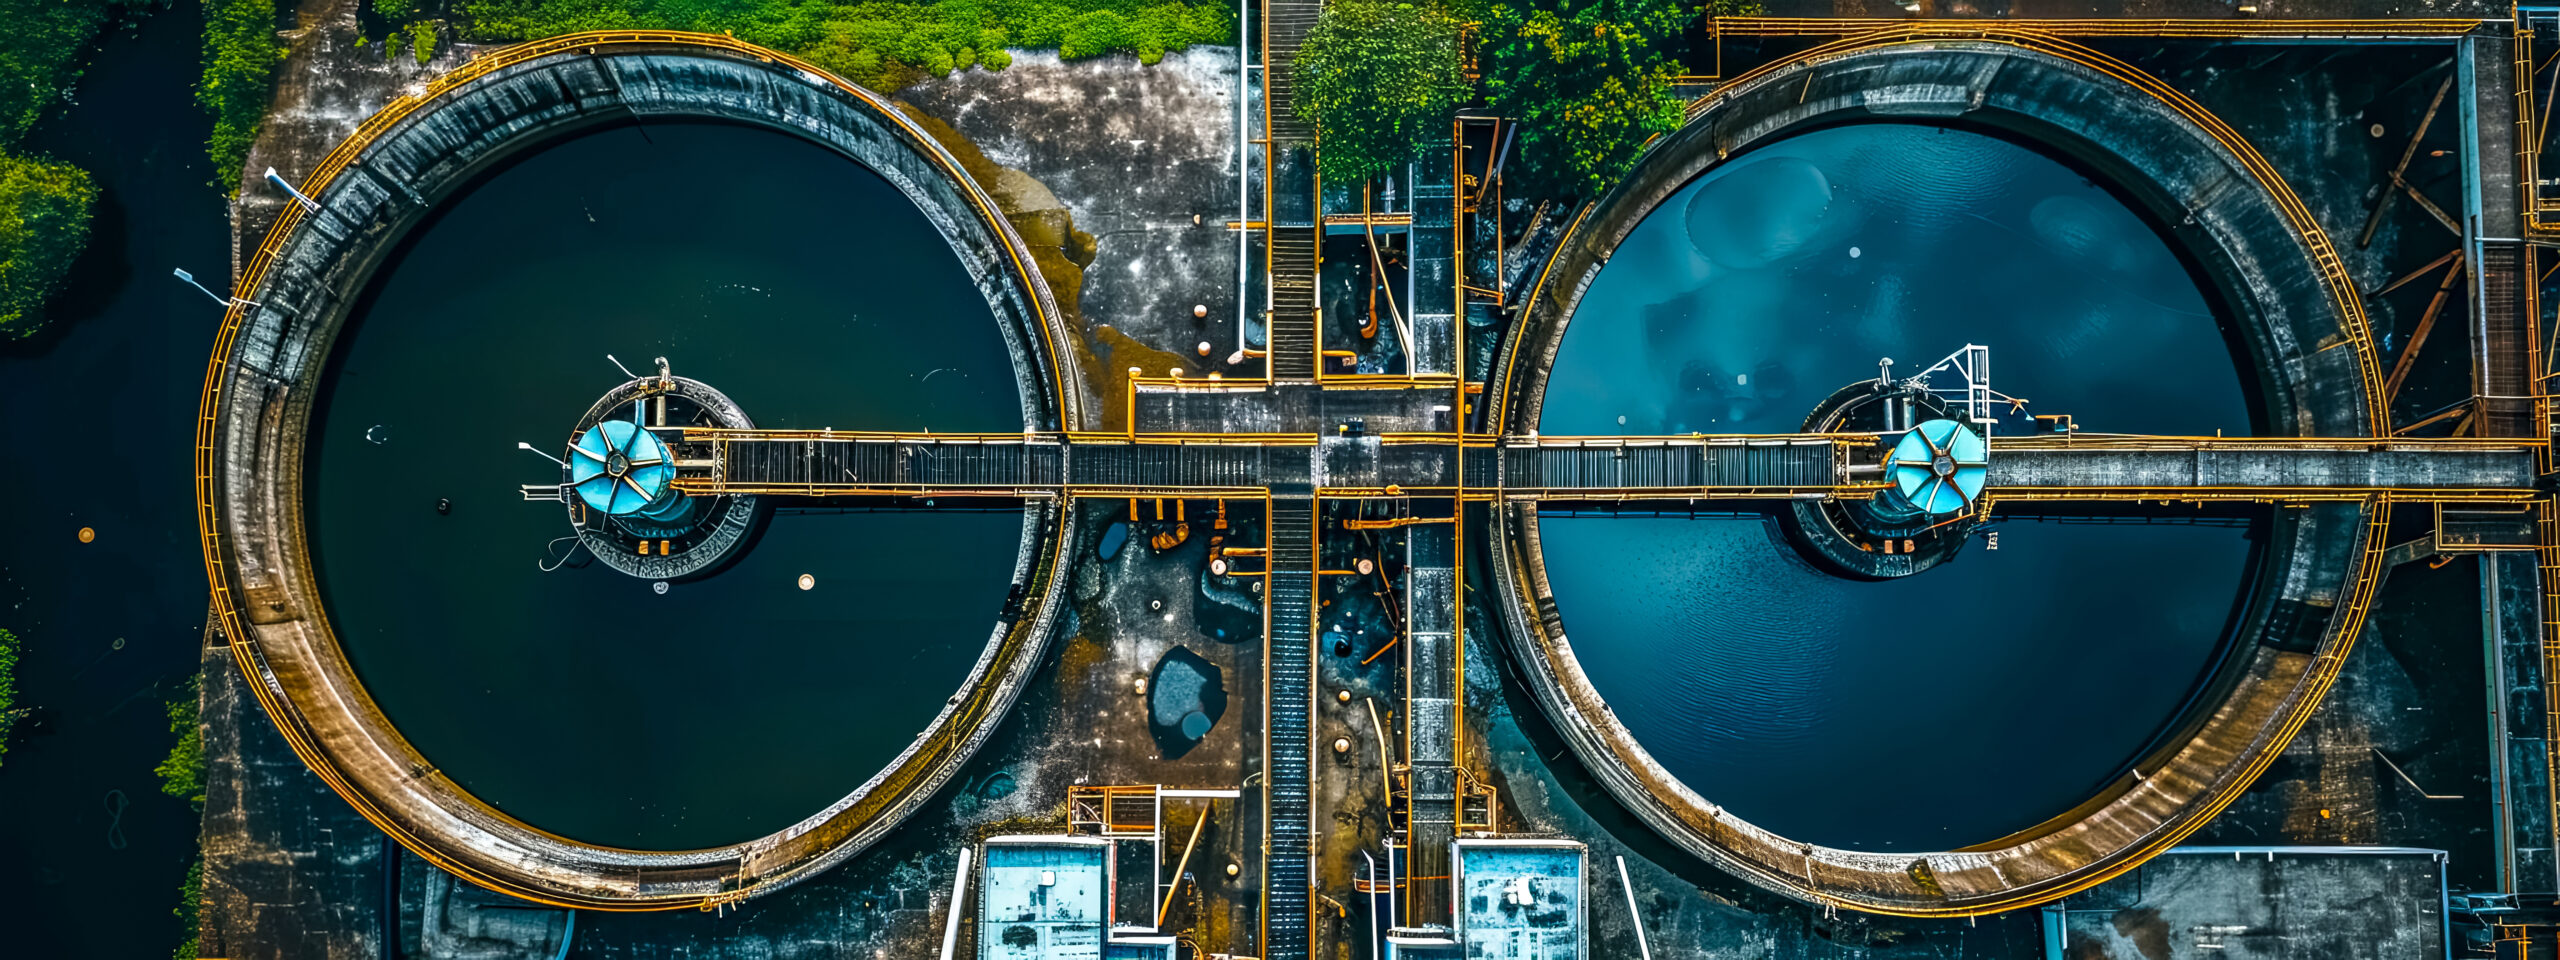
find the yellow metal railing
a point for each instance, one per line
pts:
(2441, 27)
(2547, 553)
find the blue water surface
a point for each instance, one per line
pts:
(1971, 701)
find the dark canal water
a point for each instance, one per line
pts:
(100, 411)
(798, 282)
(1965, 703)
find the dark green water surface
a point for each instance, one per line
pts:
(798, 282)
(1965, 703)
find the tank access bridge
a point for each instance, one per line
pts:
(1432, 472)
(2062, 467)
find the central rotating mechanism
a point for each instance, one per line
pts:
(1935, 470)
(627, 510)
(1937, 460)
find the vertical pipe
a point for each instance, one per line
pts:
(959, 887)
(1413, 327)
(2444, 906)
(2466, 72)
(2494, 636)
(1634, 919)
(1373, 901)
(1244, 158)
(1392, 915)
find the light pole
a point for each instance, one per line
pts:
(190, 280)
(536, 451)
(274, 178)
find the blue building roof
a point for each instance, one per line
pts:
(1520, 899)
(1043, 898)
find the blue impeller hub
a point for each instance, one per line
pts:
(1936, 469)
(621, 470)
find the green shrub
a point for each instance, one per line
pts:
(1375, 79)
(44, 221)
(1588, 80)
(422, 39)
(882, 44)
(395, 10)
(240, 58)
(182, 774)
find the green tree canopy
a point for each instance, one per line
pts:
(1376, 79)
(44, 221)
(1588, 80)
(41, 43)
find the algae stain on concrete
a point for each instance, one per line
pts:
(1062, 253)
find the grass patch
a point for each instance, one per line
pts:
(882, 45)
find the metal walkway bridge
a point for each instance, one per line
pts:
(1293, 472)
(830, 463)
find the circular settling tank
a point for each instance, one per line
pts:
(1965, 703)
(581, 700)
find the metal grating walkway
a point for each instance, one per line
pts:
(1289, 665)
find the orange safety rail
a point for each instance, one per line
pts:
(2440, 27)
(1115, 810)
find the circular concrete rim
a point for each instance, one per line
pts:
(2272, 268)
(295, 293)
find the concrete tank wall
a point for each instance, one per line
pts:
(373, 191)
(2264, 263)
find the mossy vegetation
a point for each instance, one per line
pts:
(9, 709)
(879, 44)
(241, 54)
(190, 909)
(182, 776)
